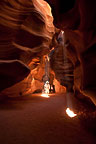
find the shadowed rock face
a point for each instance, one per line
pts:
(65, 13)
(61, 64)
(26, 29)
(78, 22)
(12, 71)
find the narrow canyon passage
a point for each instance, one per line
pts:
(38, 120)
(48, 47)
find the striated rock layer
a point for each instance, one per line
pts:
(77, 19)
(26, 30)
(60, 63)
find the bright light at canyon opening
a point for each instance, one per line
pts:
(45, 95)
(70, 113)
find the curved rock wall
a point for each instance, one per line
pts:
(60, 63)
(26, 30)
(78, 22)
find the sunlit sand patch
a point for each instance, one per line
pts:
(45, 95)
(70, 113)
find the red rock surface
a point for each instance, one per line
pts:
(26, 30)
(77, 19)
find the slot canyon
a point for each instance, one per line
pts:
(47, 72)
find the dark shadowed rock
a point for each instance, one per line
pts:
(78, 21)
(12, 72)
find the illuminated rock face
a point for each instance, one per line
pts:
(26, 30)
(77, 19)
